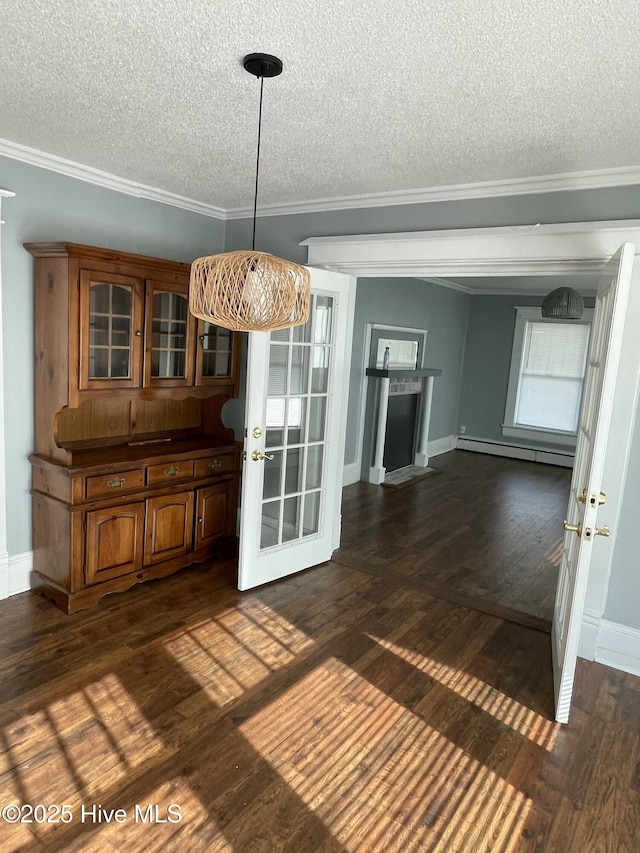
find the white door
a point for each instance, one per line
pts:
(297, 387)
(585, 518)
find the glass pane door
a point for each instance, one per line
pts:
(169, 336)
(110, 330)
(296, 427)
(216, 344)
(296, 404)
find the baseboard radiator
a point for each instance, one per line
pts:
(516, 451)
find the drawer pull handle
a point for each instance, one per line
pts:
(215, 464)
(116, 483)
(171, 472)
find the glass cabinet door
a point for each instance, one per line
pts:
(169, 335)
(218, 354)
(110, 330)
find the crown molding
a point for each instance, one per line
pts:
(569, 181)
(104, 179)
(444, 282)
(496, 289)
(565, 182)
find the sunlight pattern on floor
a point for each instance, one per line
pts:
(46, 750)
(238, 649)
(140, 834)
(521, 719)
(423, 791)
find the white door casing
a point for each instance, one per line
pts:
(4, 556)
(585, 510)
(297, 389)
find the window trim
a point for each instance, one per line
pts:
(525, 314)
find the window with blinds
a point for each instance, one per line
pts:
(551, 375)
(548, 363)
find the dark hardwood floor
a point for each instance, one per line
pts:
(337, 710)
(485, 531)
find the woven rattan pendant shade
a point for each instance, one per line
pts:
(249, 291)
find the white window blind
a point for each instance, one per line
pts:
(551, 375)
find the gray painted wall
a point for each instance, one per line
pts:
(48, 206)
(485, 376)
(398, 302)
(282, 234)
(623, 602)
(413, 304)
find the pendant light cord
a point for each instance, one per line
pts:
(255, 197)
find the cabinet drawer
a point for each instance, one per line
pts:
(111, 484)
(221, 463)
(167, 472)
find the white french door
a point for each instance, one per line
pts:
(297, 387)
(586, 514)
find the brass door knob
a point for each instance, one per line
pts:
(257, 456)
(573, 528)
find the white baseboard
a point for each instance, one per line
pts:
(350, 474)
(609, 643)
(15, 573)
(515, 451)
(588, 643)
(4, 575)
(441, 445)
(619, 647)
(20, 569)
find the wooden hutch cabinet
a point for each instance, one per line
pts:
(134, 475)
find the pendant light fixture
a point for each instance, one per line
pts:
(249, 291)
(563, 304)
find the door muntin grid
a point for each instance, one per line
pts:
(110, 330)
(296, 417)
(216, 350)
(169, 335)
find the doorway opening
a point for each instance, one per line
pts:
(611, 389)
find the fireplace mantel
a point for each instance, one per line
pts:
(377, 471)
(406, 373)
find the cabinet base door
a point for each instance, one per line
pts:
(114, 542)
(215, 514)
(169, 527)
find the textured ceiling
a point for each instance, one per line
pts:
(376, 96)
